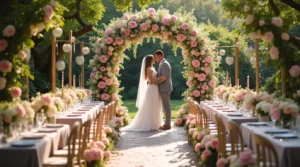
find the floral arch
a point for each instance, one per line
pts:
(179, 30)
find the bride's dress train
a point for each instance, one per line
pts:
(149, 116)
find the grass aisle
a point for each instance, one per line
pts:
(130, 104)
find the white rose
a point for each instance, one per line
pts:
(193, 52)
(192, 38)
(109, 74)
(202, 52)
(162, 28)
(110, 48)
(2, 83)
(96, 76)
(108, 68)
(196, 75)
(148, 21)
(174, 28)
(156, 19)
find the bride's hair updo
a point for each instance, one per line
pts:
(148, 63)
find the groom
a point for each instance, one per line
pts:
(165, 87)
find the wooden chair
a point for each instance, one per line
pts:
(107, 113)
(99, 124)
(198, 115)
(115, 108)
(210, 126)
(221, 137)
(69, 160)
(192, 109)
(236, 139)
(265, 152)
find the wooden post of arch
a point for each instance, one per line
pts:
(82, 67)
(70, 60)
(257, 65)
(236, 52)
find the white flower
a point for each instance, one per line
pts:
(162, 28)
(174, 28)
(202, 52)
(110, 48)
(148, 21)
(109, 74)
(108, 68)
(2, 83)
(193, 38)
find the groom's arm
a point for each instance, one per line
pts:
(165, 72)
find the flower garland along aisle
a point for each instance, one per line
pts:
(16, 40)
(179, 30)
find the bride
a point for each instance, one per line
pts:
(149, 115)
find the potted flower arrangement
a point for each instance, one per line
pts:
(251, 99)
(95, 154)
(190, 122)
(262, 109)
(245, 159)
(182, 115)
(45, 103)
(209, 156)
(122, 113)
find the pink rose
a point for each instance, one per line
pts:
(189, 83)
(46, 100)
(9, 31)
(268, 36)
(104, 96)
(119, 25)
(212, 83)
(154, 27)
(202, 77)
(277, 21)
(196, 93)
(208, 59)
(132, 24)
(114, 96)
(195, 63)
(179, 121)
(3, 44)
(107, 155)
(173, 18)
(49, 13)
(109, 40)
(192, 73)
(193, 44)
(119, 41)
(221, 162)
(246, 158)
(126, 33)
(200, 136)
(116, 70)
(204, 87)
(102, 69)
(108, 31)
(5, 66)
(107, 130)
(133, 17)
(191, 131)
(108, 82)
(197, 53)
(197, 147)
(285, 36)
(21, 111)
(101, 85)
(205, 155)
(214, 143)
(16, 92)
(295, 71)
(151, 11)
(249, 19)
(275, 113)
(103, 59)
(274, 53)
(165, 21)
(180, 37)
(97, 50)
(194, 32)
(185, 26)
(144, 26)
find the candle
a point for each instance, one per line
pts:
(79, 80)
(238, 82)
(62, 79)
(226, 82)
(74, 82)
(248, 82)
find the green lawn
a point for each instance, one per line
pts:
(130, 104)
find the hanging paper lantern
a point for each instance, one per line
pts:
(249, 51)
(57, 32)
(219, 58)
(67, 48)
(85, 50)
(73, 39)
(229, 60)
(238, 44)
(60, 65)
(222, 52)
(79, 60)
(253, 61)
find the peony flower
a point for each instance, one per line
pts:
(154, 27)
(201, 77)
(134, 17)
(9, 31)
(46, 100)
(249, 19)
(5, 66)
(108, 82)
(194, 44)
(194, 32)
(268, 36)
(144, 26)
(180, 37)
(208, 59)
(179, 121)
(21, 111)
(101, 85)
(275, 113)
(189, 83)
(108, 31)
(104, 96)
(205, 155)
(173, 18)
(119, 41)
(16, 92)
(197, 147)
(195, 63)
(222, 162)
(151, 11)
(246, 8)
(285, 36)
(132, 24)
(246, 158)
(114, 96)
(2, 83)
(3, 44)
(277, 21)
(295, 71)
(185, 26)
(103, 59)
(109, 40)
(166, 21)
(261, 23)
(49, 13)
(274, 53)
(196, 93)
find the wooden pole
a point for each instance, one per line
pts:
(70, 60)
(236, 51)
(82, 66)
(53, 64)
(257, 65)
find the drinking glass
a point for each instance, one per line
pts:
(15, 129)
(274, 121)
(40, 118)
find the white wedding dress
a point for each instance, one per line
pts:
(149, 115)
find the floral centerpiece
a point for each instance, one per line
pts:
(95, 154)
(245, 159)
(47, 104)
(210, 155)
(285, 111)
(122, 113)
(181, 116)
(220, 90)
(263, 109)
(190, 122)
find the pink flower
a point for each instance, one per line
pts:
(100, 145)
(197, 53)
(107, 155)
(212, 83)
(196, 93)
(119, 25)
(195, 63)
(200, 136)
(202, 77)
(5, 66)
(185, 26)
(295, 71)
(193, 44)
(192, 73)
(268, 36)
(221, 162)
(132, 24)
(16, 92)
(116, 70)
(205, 155)
(197, 147)
(173, 18)
(119, 41)
(191, 131)
(22, 54)
(108, 31)
(126, 33)
(103, 59)
(189, 83)
(277, 21)
(97, 50)
(285, 36)
(179, 121)
(125, 17)
(180, 37)
(49, 13)
(261, 22)
(151, 11)
(9, 31)
(3, 44)
(194, 32)
(134, 17)
(108, 82)
(101, 85)
(154, 27)
(204, 87)
(214, 143)
(275, 113)
(104, 96)
(102, 69)
(46, 100)
(144, 26)
(208, 59)
(246, 158)
(249, 19)
(274, 53)
(109, 40)
(21, 111)
(166, 21)
(107, 130)
(114, 96)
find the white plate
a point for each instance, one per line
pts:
(45, 130)
(257, 124)
(235, 114)
(54, 125)
(23, 143)
(277, 131)
(285, 136)
(34, 136)
(73, 115)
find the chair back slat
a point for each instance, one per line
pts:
(72, 143)
(236, 138)
(221, 136)
(84, 138)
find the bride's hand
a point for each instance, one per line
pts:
(163, 78)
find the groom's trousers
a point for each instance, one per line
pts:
(165, 96)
